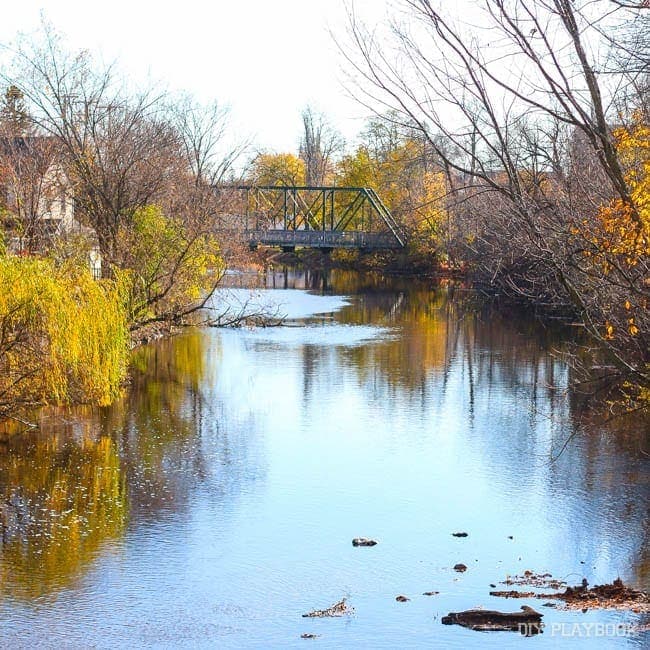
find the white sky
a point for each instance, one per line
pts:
(266, 58)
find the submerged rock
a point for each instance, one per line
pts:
(430, 593)
(309, 635)
(363, 541)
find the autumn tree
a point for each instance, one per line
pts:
(401, 166)
(128, 154)
(281, 169)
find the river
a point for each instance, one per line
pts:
(217, 501)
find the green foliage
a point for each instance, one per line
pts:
(167, 268)
(14, 117)
(63, 336)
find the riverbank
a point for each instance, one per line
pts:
(388, 263)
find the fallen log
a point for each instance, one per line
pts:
(527, 621)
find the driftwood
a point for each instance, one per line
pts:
(532, 579)
(337, 609)
(527, 621)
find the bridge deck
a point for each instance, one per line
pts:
(323, 239)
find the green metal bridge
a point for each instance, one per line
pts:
(319, 217)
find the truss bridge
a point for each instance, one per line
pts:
(318, 217)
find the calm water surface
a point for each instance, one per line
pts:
(216, 502)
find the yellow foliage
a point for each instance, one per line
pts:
(413, 192)
(64, 335)
(74, 499)
(167, 267)
(282, 169)
(627, 227)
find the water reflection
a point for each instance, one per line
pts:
(224, 489)
(63, 496)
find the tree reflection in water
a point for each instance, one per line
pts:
(63, 496)
(69, 489)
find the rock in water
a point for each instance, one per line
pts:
(459, 534)
(460, 567)
(363, 541)
(402, 599)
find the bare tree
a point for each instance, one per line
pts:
(320, 144)
(205, 135)
(525, 107)
(119, 152)
(35, 190)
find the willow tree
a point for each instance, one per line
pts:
(63, 336)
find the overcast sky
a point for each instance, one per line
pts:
(267, 59)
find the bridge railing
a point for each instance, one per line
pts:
(322, 239)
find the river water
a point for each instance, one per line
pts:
(216, 503)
